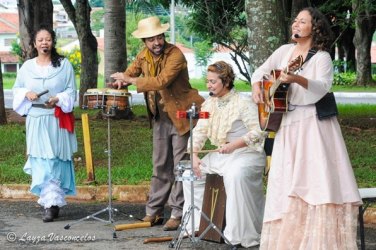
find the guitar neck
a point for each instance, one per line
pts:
(293, 66)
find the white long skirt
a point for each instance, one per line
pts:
(242, 176)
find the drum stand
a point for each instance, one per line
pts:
(190, 213)
(109, 208)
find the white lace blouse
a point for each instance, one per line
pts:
(230, 117)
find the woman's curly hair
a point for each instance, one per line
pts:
(322, 35)
(225, 72)
(56, 58)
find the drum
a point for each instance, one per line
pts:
(117, 98)
(214, 206)
(181, 167)
(94, 99)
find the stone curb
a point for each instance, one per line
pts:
(127, 193)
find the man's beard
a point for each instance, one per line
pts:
(160, 51)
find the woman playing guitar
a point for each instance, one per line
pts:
(312, 198)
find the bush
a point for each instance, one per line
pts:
(74, 57)
(344, 79)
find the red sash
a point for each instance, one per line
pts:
(66, 120)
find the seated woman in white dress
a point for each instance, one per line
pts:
(233, 127)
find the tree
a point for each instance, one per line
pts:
(3, 115)
(224, 23)
(31, 14)
(338, 13)
(115, 53)
(80, 17)
(203, 52)
(365, 25)
(267, 29)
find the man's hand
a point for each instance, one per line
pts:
(117, 84)
(122, 80)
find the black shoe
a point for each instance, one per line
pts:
(55, 211)
(48, 215)
(235, 247)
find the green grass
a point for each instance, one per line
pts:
(131, 147)
(8, 80)
(341, 88)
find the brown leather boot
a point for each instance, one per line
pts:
(172, 224)
(153, 219)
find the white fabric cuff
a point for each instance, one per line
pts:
(66, 102)
(52, 195)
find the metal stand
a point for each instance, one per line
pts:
(190, 213)
(109, 208)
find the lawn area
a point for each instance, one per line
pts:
(131, 147)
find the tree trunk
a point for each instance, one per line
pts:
(347, 49)
(31, 14)
(115, 53)
(80, 17)
(3, 115)
(266, 29)
(365, 24)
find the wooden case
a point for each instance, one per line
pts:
(214, 206)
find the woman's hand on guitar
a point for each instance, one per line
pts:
(291, 77)
(287, 77)
(256, 93)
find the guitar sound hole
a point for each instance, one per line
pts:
(284, 86)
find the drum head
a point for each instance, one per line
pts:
(95, 91)
(117, 92)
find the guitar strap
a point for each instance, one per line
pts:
(311, 53)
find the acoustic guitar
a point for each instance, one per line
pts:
(275, 96)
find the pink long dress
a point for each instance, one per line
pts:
(312, 197)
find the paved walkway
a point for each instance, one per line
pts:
(21, 227)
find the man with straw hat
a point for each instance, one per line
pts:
(160, 71)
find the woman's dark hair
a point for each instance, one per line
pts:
(55, 57)
(322, 35)
(225, 72)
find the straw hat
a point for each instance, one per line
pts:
(150, 27)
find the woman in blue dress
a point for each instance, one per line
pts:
(50, 136)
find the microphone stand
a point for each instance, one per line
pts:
(110, 209)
